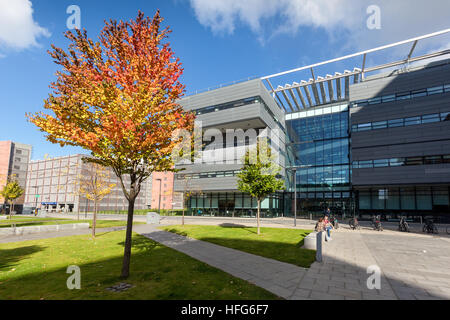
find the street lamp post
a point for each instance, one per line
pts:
(36, 196)
(159, 202)
(294, 170)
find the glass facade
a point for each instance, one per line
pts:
(234, 204)
(407, 199)
(319, 150)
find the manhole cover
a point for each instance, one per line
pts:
(120, 287)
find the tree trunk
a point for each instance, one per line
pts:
(128, 240)
(94, 221)
(257, 215)
(182, 219)
(11, 208)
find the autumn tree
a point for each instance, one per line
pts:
(93, 183)
(10, 192)
(117, 98)
(188, 192)
(259, 175)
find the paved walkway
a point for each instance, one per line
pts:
(408, 272)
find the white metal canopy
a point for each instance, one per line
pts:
(316, 84)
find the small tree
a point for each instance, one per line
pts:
(259, 175)
(10, 192)
(93, 184)
(117, 98)
(188, 192)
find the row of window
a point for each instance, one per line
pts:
(407, 95)
(228, 105)
(204, 175)
(420, 198)
(321, 153)
(405, 122)
(398, 162)
(329, 126)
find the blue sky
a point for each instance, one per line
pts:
(218, 41)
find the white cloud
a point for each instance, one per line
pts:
(343, 20)
(18, 29)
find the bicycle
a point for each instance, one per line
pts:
(354, 224)
(376, 223)
(429, 227)
(403, 226)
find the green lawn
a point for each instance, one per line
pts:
(37, 270)
(275, 243)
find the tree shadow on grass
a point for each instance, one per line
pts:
(162, 274)
(10, 257)
(142, 244)
(291, 253)
(176, 231)
(238, 226)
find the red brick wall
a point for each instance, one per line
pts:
(166, 190)
(5, 155)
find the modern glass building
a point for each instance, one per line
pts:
(367, 141)
(319, 150)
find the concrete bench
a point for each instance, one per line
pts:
(42, 229)
(310, 241)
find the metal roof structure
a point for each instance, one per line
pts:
(303, 95)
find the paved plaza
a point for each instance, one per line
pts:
(414, 267)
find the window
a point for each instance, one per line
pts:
(361, 103)
(397, 162)
(375, 100)
(430, 118)
(412, 121)
(381, 163)
(403, 96)
(395, 123)
(414, 161)
(446, 159)
(419, 93)
(435, 90)
(364, 126)
(379, 125)
(18, 160)
(445, 116)
(447, 88)
(433, 160)
(388, 98)
(17, 167)
(366, 164)
(19, 151)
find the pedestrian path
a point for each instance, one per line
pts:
(277, 277)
